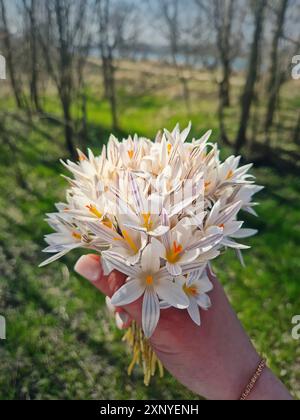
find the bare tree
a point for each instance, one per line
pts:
(252, 74)
(168, 14)
(82, 90)
(107, 49)
(8, 51)
(276, 75)
(117, 30)
(224, 14)
(63, 34)
(297, 131)
(30, 8)
(227, 19)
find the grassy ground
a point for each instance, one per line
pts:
(60, 340)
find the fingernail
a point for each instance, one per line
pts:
(89, 266)
(122, 319)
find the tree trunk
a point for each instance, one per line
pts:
(34, 91)
(224, 16)
(248, 95)
(297, 131)
(84, 119)
(275, 77)
(105, 73)
(186, 94)
(68, 127)
(112, 94)
(225, 84)
(9, 58)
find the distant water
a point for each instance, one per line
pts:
(162, 55)
(239, 63)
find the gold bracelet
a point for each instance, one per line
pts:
(261, 367)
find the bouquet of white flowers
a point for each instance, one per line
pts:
(159, 212)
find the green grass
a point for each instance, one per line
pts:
(60, 340)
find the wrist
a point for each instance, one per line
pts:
(241, 374)
(269, 388)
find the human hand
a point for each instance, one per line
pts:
(215, 360)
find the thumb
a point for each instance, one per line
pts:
(90, 267)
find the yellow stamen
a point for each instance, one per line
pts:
(169, 147)
(147, 221)
(130, 153)
(94, 211)
(173, 255)
(230, 174)
(128, 239)
(76, 235)
(207, 184)
(190, 290)
(149, 280)
(81, 156)
(222, 226)
(107, 222)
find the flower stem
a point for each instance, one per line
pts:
(143, 355)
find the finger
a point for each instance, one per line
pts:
(123, 320)
(89, 267)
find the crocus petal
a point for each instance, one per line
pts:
(150, 312)
(158, 247)
(196, 275)
(194, 311)
(204, 301)
(191, 267)
(229, 213)
(128, 293)
(119, 264)
(205, 285)
(106, 267)
(164, 305)
(174, 269)
(59, 255)
(189, 256)
(53, 258)
(244, 233)
(150, 259)
(233, 244)
(172, 293)
(159, 231)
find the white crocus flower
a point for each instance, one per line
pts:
(225, 219)
(86, 209)
(131, 153)
(196, 286)
(230, 172)
(66, 238)
(146, 216)
(245, 194)
(128, 243)
(151, 282)
(182, 245)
